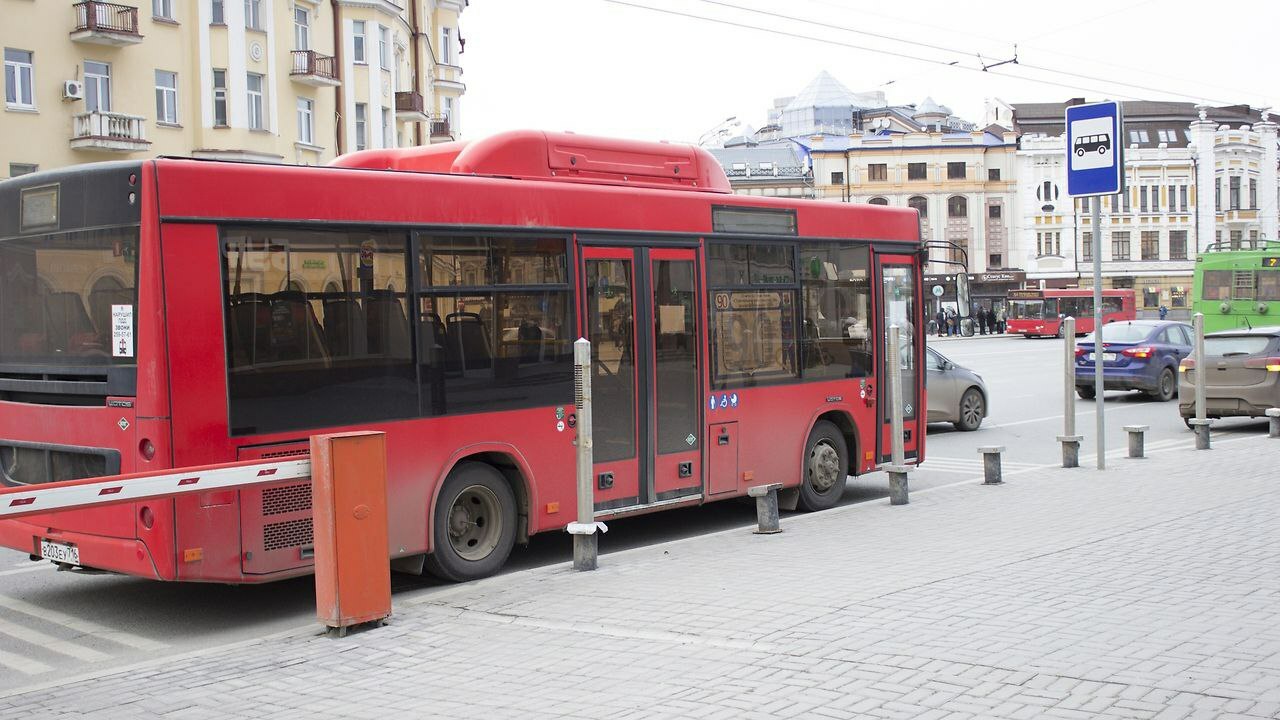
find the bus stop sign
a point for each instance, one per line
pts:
(1095, 149)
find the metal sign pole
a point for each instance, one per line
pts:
(1069, 439)
(1201, 421)
(898, 491)
(1097, 334)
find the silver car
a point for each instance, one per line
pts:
(956, 394)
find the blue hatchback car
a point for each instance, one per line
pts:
(1137, 355)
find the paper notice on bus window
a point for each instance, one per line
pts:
(671, 319)
(121, 331)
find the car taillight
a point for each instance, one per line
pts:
(1186, 364)
(1138, 352)
(1271, 364)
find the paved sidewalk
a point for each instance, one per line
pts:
(1149, 591)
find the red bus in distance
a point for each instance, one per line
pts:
(1039, 313)
(178, 313)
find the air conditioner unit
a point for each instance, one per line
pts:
(72, 90)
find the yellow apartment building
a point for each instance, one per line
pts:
(293, 81)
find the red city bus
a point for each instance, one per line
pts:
(173, 312)
(1039, 313)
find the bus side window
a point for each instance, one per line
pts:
(836, 302)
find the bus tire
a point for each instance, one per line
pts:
(474, 524)
(825, 468)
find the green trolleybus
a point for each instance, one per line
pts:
(1237, 285)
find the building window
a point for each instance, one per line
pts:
(957, 206)
(1234, 197)
(1047, 192)
(257, 113)
(1119, 246)
(1139, 136)
(1048, 243)
(97, 86)
(1150, 245)
(306, 120)
(1217, 194)
(253, 14)
(878, 171)
(1167, 136)
(995, 261)
(837, 178)
(362, 124)
(1182, 197)
(16, 169)
(955, 171)
(446, 45)
(1178, 296)
(166, 97)
(1177, 244)
(993, 211)
(1253, 193)
(218, 15)
(1086, 246)
(162, 9)
(384, 47)
(878, 201)
(219, 98)
(993, 174)
(1142, 198)
(357, 41)
(301, 29)
(920, 204)
(1253, 239)
(19, 74)
(1236, 237)
(1086, 204)
(388, 128)
(1121, 201)
(917, 171)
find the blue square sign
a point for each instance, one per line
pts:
(1095, 149)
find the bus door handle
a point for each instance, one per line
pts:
(723, 439)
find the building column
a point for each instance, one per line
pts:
(1202, 136)
(1267, 176)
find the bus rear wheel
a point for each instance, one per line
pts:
(474, 524)
(826, 467)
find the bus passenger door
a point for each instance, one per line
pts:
(642, 320)
(900, 306)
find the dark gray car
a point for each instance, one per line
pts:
(956, 394)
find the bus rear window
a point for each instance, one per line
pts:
(69, 298)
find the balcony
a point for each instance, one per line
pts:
(441, 131)
(409, 107)
(106, 24)
(312, 68)
(108, 131)
(448, 77)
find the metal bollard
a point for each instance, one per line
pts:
(1274, 415)
(1069, 439)
(766, 508)
(1136, 434)
(991, 464)
(1201, 421)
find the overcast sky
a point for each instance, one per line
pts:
(609, 67)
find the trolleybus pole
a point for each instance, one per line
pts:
(1097, 333)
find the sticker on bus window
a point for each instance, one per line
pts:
(122, 331)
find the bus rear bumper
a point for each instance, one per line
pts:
(128, 556)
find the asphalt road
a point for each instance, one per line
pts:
(54, 624)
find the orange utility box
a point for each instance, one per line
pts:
(349, 510)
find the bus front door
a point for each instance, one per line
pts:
(641, 318)
(899, 305)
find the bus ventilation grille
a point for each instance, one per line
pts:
(290, 533)
(285, 453)
(286, 499)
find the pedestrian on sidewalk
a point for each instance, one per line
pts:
(982, 320)
(940, 320)
(1164, 312)
(991, 321)
(1000, 317)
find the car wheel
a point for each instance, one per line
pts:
(1085, 392)
(826, 466)
(1166, 386)
(972, 409)
(474, 525)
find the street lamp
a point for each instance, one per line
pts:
(719, 130)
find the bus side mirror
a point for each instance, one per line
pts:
(962, 294)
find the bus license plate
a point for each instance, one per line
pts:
(58, 552)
